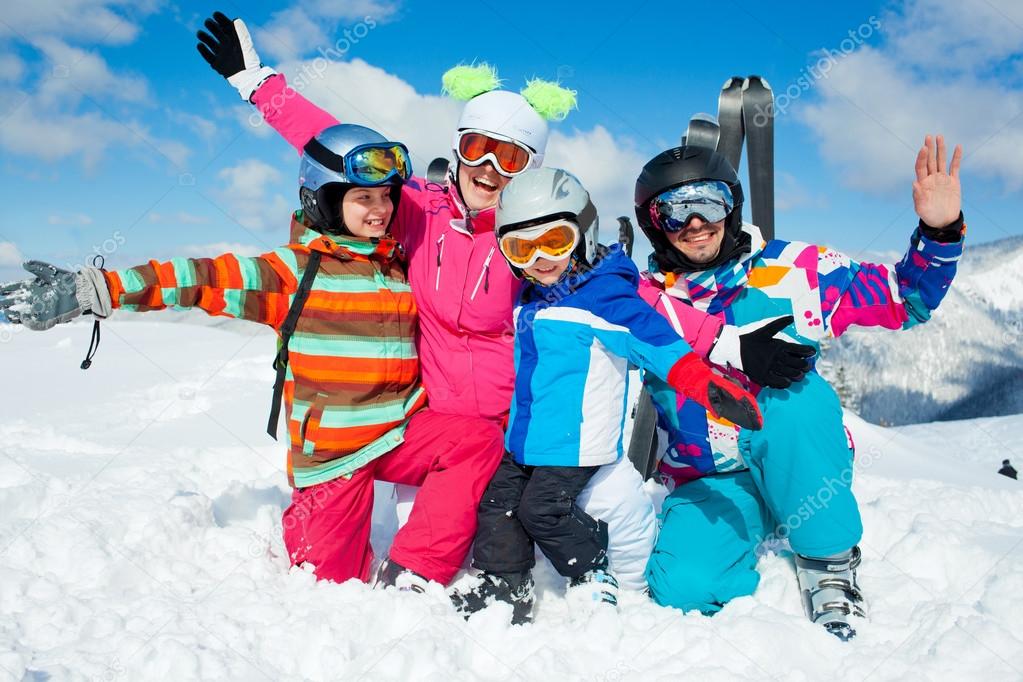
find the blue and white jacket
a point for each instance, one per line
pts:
(574, 342)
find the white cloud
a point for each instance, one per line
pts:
(38, 131)
(955, 36)
(111, 22)
(10, 256)
(607, 167)
(874, 141)
(423, 122)
(75, 72)
(67, 115)
(69, 219)
(877, 103)
(289, 34)
(191, 123)
(790, 194)
(314, 28)
(251, 195)
(218, 248)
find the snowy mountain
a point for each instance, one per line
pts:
(140, 539)
(966, 362)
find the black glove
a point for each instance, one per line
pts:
(228, 49)
(772, 362)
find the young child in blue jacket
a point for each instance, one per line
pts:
(579, 326)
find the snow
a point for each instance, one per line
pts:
(140, 508)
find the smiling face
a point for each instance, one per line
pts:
(547, 271)
(481, 185)
(699, 241)
(367, 210)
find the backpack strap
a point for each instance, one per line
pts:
(287, 329)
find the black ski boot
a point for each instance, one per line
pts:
(830, 593)
(513, 588)
(392, 574)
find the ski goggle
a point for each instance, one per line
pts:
(554, 241)
(367, 164)
(508, 156)
(710, 200)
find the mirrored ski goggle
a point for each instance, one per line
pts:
(554, 241)
(368, 164)
(710, 200)
(508, 156)
(373, 165)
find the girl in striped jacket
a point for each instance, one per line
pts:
(348, 368)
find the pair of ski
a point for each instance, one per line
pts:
(745, 114)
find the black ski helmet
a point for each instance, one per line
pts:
(680, 166)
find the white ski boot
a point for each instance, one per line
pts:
(392, 574)
(597, 586)
(831, 596)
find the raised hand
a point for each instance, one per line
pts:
(227, 47)
(937, 194)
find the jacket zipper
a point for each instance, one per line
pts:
(440, 255)
(484, 274)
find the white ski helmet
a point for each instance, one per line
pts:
(541, 195)
(519, 117)
(507, 114)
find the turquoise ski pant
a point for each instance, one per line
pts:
(797, 487)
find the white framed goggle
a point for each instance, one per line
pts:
(509, 157)
(554, 241)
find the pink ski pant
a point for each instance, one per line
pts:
(451, 457)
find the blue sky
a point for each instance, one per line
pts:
(117, 137)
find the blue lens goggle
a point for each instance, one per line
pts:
(710, 200)
(367, 164)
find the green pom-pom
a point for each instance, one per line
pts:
(550, 100)
(463, 82)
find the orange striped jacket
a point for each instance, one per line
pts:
(353, 377)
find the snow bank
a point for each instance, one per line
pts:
(139, 539)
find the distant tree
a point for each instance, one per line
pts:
(846, 393)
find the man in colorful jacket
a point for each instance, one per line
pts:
(733, 487)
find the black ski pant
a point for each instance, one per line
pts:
(524, 505)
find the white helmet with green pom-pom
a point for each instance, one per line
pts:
(509, 115)
(519, 117)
